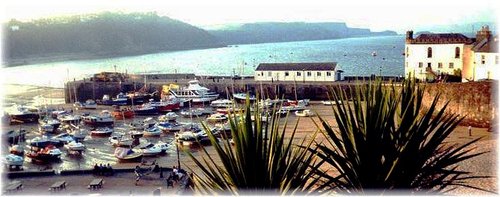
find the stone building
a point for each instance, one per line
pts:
(431, 57)
(316, 71)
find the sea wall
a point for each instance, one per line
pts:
(475, 100)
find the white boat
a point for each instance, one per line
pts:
(90, 104)
(64, 138)
(192, 112)
(101, 132)
(78, 134)
(127, 155)
(54, 122)
(169, 126)
(162, 146)
(194, 92)
(152, 132)
(103, 118)
(75, 146)
(120, 141)
(217, 117)
(13, 160)
(136, 133)
(304, 113)
(69, 118)
(170, 116)
(243, 96)
(150, 149)
(23, 114)
(46, 128)
(331, 102)
(222, 103)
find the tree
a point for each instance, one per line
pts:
(386, 141)
(261, 160)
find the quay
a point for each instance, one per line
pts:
(98, 86)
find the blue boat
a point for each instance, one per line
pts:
(145, 110)
(121, 99)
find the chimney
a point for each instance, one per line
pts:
(409, 36)
(484, 33)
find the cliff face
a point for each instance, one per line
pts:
(284, 32)
(105, 34)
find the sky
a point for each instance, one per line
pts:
(377, 15)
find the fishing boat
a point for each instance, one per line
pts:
(127, 154)
(304, 113)
(167, 106)
(152, 132)
(217, 117)
(23, 114)
(106, 100)
(194, 92)
(331, 102)
(13, 160)
(75, 146)
(189, 138)
(169, 126)
(102, 132)
(222, 103)
(47, 154)
(122, 113)
(149, 149)
(146, 110)
(170, 116)
(121, 99)
(243, 96)
(102, 119)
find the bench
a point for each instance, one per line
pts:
(57, 186)
(95, 184)
(14, 186)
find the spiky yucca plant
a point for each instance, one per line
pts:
(386, 141)
(261, 160)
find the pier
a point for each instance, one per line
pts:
(90, 88)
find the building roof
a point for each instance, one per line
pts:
(487, 45)
(444, 38)
(297, 66)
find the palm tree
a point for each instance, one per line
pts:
(386, 141)
(261, 160)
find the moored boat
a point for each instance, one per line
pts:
(17, 149)
(243, 96)
(170, 116)
(102, 119)
(192, 112)
(304, 113)
(217, 117)
(146, 110)
(23, 114)
(127, 154)
(122, 113)
(152, 132)
(13, 160)
(222, 103)
(331, 102)
(75, 146)
(194, 92)
(47, 154)
(101, 131)
(149, 149)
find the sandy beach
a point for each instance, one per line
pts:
(100, 151)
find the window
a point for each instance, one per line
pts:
(420, 64)
(451, 65)
(299, 74)
(308, 73)
(328, 74)
(457, 52)
(429, 65)
(318, 74)
(269, 73)
(483, 59)
(429, 52)
(440, 65)
(286, 74)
